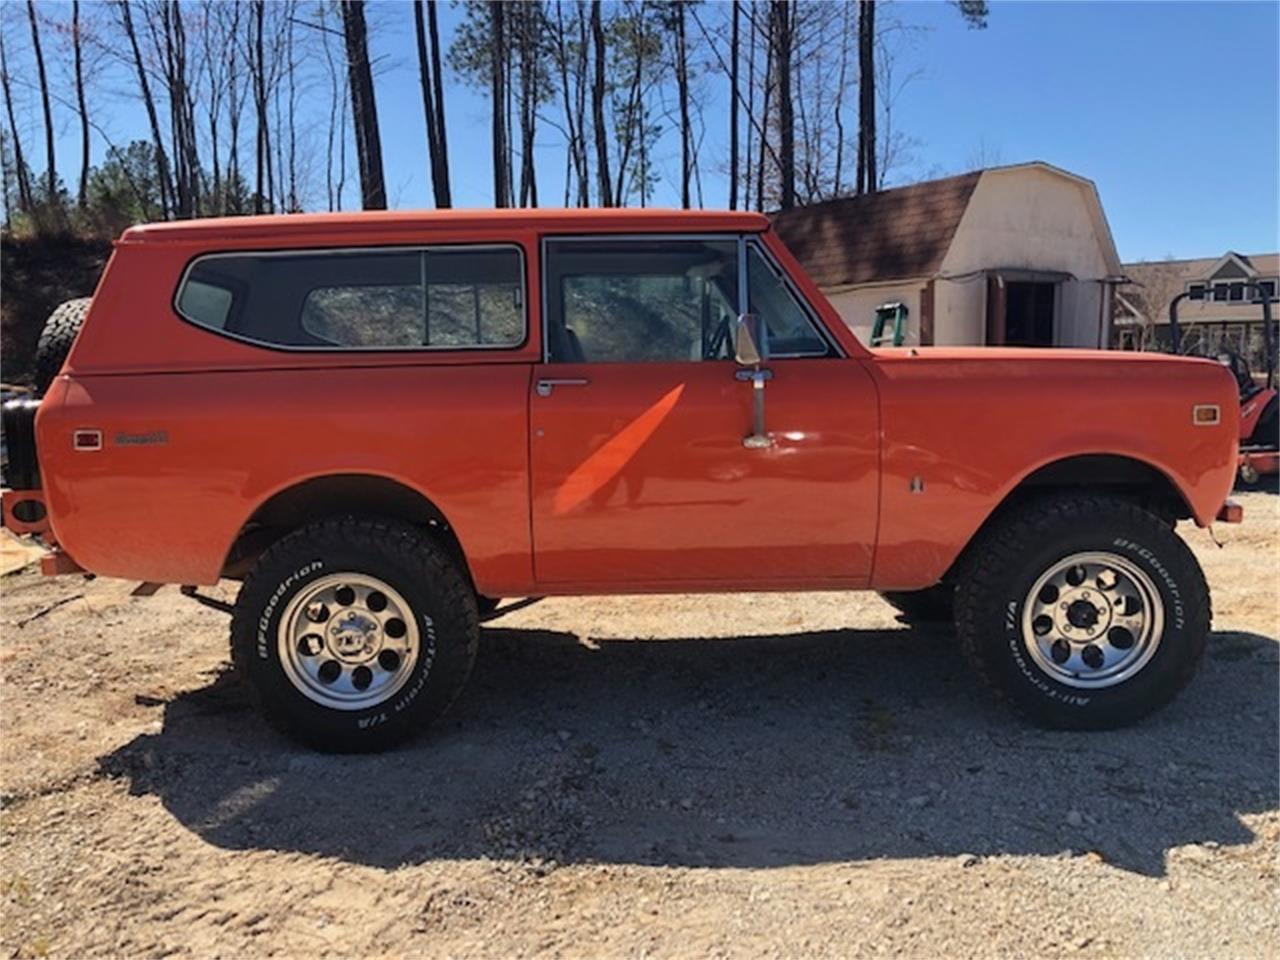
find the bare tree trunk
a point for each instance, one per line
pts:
(576, 159)
(786, 126)
(764, 111)
(77, 42)
(434, 156)
(295, 202)
(867, 179)
(634, 128)
(498, 96)
(364, 111)
(733, 109)
(509, 88)
(263, 188)
(162, 161)
(23, 176)
(751, 104)
(444, 196)
(51, 172)
(682, 93)
(230, 202)
(181, 110)
(597, 107)
(530, 27)
(839, 104)
(335, 100)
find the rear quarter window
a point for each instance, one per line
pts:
(402, 299)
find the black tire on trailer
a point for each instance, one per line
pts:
(1082, 611)
(355, 633)
(932, 605)
(59, 333)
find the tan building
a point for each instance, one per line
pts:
(1010, 255)
(1220, 311)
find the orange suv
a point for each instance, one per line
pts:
(382, 422)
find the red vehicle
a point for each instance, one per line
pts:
(382, 422)
(1259, 402)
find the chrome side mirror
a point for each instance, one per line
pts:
(750, 349)
(749, 340)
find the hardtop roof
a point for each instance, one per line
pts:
(316, 226)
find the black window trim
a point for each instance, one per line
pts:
(742, 240)
(396, 248)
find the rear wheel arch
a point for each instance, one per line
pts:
(332, 496)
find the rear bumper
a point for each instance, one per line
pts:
(25, 511)
(25, 514)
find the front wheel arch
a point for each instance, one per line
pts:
(1118, 475)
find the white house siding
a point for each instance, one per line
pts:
(857, 307)
(960, 311)
(1028, 218)
(1080, 315)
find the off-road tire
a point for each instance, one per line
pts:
(932, 605)
(59, 333)
(405, 558)
(1003, 565)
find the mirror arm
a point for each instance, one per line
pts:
(758, 438)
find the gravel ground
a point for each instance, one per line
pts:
(783, 775)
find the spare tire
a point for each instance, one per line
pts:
(59, 333)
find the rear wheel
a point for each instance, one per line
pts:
(59, 333)
(1084, 612)
(354, 634)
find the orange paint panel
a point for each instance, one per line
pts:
(691, 503)
(605, 464)
(221, 444)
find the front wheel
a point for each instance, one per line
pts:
(354, 634)
(1085, 612)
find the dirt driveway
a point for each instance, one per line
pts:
(790, 775)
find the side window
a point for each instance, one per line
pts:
(791, 331)
(441, 297)
(619, 301)
(208, 304)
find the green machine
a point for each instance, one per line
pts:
(886, 313)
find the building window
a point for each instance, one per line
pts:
(1220, 293)
(1268, 288)
(1196, 291)
(1235, 293)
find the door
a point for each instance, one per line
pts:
(1029, 315)
(639, 472)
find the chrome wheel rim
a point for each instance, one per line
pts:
(1092, 620)
(348, 641)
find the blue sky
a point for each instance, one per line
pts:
(1171, 108)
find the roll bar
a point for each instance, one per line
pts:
(1268, 332)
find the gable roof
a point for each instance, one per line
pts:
(1263, 265)
(891, 235)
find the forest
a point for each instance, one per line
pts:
(259, 107)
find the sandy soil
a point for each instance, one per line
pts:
(786, 775)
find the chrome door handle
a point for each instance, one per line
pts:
(544, 387)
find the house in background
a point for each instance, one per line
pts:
(1018, 255)
(1220, 313)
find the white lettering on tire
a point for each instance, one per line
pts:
(263, 645)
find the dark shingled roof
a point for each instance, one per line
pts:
(890, 235)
